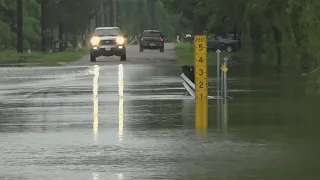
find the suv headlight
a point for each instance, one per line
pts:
(95, 41)
(120, 40)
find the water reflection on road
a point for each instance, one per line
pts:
(54, 126)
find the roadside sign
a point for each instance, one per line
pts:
(200, 63)
(224, 68)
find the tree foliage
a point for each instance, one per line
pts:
(282, 32)
(75, 15)
(135, 16)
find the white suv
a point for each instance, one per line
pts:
(107, 41)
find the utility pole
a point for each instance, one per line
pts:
(97, 16)
(102, 13)
(43, 25)
(114, 7)
(119, 12)
(19, 27)
(108, 13)
(153, 13)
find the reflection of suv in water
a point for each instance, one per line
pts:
(152, 39)
(107, 41)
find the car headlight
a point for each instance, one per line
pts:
(95, 41)
(120, 40)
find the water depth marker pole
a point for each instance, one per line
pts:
(201, 81)
(224, 69)
(120, 86)
(218, 87)
(218, 72)
(96, 72)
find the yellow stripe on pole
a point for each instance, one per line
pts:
(201, 81)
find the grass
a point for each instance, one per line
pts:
(185, 54)
(40, 58)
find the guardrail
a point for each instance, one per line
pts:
(188, 79)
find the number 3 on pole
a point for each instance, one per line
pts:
(200, 72)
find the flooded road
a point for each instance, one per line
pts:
(52, 127)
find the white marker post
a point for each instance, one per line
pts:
(218, 86)
(96, 73)
(225, 69)
(95, 118)
(120, 79)
(120, 131)
(218, 72)
(120, 85)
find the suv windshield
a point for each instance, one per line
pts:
(151, 34)
(106, 32)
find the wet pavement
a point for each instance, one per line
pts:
(52, 127)
(153, 57)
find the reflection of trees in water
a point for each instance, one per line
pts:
(279, 102)
(155, 114)
(44, 113)
(17, 115)
(280, 107)
(145, 73)
(9, 114)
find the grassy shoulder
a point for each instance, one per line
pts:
(185, 54)
(41, 58)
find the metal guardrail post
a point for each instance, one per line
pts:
(218, 72)
(218, 88)
(225, 77)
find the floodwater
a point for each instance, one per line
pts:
(53, 128)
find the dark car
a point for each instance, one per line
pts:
(152, 39)
(229, 43)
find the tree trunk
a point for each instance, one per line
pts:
(97, 20)
(255, 42)
(74, 40)
(19, 26)
(43, 26)
(277, 37)
(61, 37)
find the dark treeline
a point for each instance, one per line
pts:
(278, 32)
(73, 19)
(60, 18)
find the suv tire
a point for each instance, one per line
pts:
(93, 58)
(123, 57)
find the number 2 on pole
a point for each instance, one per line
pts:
(201, 84)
